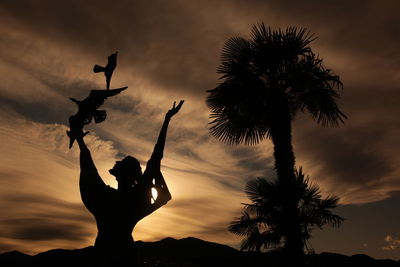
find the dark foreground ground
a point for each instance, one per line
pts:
(185, 252)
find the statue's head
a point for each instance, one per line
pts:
(127, 171)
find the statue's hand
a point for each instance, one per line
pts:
(174, 109)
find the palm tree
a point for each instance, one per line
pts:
(265, 81)
(261, 221)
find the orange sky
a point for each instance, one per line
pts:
(170, 51)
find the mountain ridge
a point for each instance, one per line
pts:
(187, 251)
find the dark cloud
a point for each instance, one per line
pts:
(180, 135)
(38, 111)
(362, 152)
(152, 36)
(226, 179)
(232, 184)
(126, 104)
(349, 155)
(57, 208)
(14, 175)
(186, 152)
(49, 108)
(253, 162)
(35, 198)
(39, 229)
(42, 218)
(359, 26)
(177, 44)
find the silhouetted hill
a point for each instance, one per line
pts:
(14, 258)
(327, 259)
(189, 251)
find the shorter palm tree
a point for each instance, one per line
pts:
(263, 224)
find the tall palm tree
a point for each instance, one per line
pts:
(265, 81)
(261, 220)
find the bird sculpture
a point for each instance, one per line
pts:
(108, 69)
(88, 110)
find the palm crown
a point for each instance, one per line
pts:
(270, 77)
(262, 221)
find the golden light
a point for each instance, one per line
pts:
(154, 195)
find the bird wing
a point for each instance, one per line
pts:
(98, 68)
(87, 108)
(96, 98)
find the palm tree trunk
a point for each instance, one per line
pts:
(283, 151)
(285, 167)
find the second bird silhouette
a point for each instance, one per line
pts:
(108, 69)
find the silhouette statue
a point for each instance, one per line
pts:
(87, 109)
(117, 211)
(108, 69)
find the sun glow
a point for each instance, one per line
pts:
(154, 195)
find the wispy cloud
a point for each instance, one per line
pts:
(392, 242)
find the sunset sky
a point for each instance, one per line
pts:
(168, 51)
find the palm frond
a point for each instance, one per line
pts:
(297, 40)
(253, 241)
(234, 119)
(332, 220)
(259, 188)
(244, 225)
(316, 90)
(257, 240)
(235, 50)
(327, 217)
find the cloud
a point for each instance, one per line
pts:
(350, 155)
(356, 161)
(36, 219)
(392, 243)
(254, 161)
(140, 33)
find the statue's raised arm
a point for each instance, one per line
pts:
(159, 147)
(152, 177)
